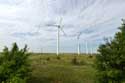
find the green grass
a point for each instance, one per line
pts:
(48, 68)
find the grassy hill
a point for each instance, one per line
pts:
(67, 68)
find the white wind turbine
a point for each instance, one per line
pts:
(78, 43)
(59, 28)
(78, 40)
(89, 47)
(86, 47)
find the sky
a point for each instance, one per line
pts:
(25, 22)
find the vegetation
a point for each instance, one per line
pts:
(110, 62)
(61, 70)
(14, 67)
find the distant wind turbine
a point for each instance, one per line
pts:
(86, 46)
(91, 49)
(60, 28)
(78, 40)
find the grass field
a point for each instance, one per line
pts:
(48, 68)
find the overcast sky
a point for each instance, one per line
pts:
(24, 22)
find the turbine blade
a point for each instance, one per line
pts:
(48, 25)
(51, 25)
(60, 23)
(79, 34)
(63, 31)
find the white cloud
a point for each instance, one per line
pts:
(23, 17)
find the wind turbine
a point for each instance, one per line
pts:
(78, 45)
(59, 28)
(86, 46)
(91, 49)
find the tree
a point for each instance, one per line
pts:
(14, 67)
(110, 62)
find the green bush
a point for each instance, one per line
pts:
(91, 56)
(14, 67)
(58, 58)
(16, 80)
(110, 62)
(48, 59)
(75, 61)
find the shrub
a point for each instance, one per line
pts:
(14, 67)
(91, 56)
(16, 80)
(58, 58)
(110, 62)
(48, 59)
(75, 61)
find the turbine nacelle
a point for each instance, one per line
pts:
(60, 27)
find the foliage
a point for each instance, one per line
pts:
(58, 58)
(91, 56)
(48, 59)
(110, 62)
(14, 67)
(75, 61)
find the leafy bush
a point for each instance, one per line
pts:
(48, 59)
(16, 80)
(110, 63)
(58, 58)
(14, 67)
(75, 61)
(91, 56)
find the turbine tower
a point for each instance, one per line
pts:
(78, 45)
(59, 28)
(86, 44)
(91, 49)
